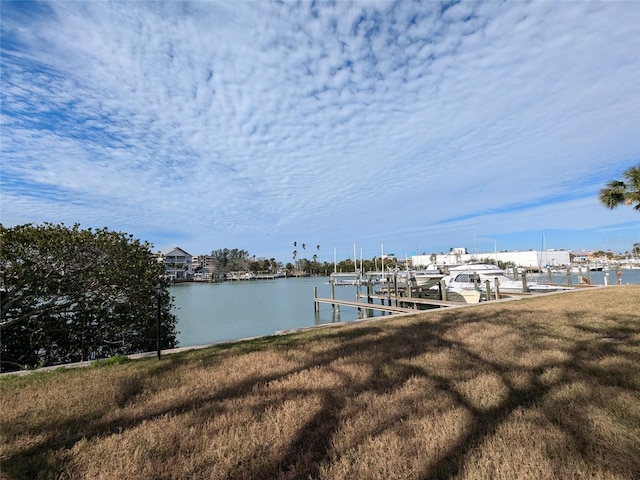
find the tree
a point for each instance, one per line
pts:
(619, 192)
(71, 295)
(231, 260)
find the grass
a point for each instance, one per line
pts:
(540, 388)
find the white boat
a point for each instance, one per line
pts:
(421, 278)
(456, 293)
(416, 280)
(473, 276)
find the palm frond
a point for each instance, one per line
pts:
(623, 192)
(613, 194)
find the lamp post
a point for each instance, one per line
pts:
(159, 298)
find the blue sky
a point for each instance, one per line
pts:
(420, 126)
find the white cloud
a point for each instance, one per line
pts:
(256, 123)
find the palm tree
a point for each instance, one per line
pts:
(295, 258)
(625, 192)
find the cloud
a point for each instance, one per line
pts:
(258, 123)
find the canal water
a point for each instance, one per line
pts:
(216, 312)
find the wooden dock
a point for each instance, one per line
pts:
(395, 304)
(363, 305)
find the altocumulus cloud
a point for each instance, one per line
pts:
(253, 124)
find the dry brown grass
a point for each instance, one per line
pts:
(542, 388)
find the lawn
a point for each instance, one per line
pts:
(539, 388)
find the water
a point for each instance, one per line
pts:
(215, 312)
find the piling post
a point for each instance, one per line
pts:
(569, 279)
(525, 286)
(395, 287)
(333, 293)
(316, 305)
(369, 295)
(487, 285)
(497, 285)
(549, 275)
(443, 290)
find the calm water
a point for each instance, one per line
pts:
(209, 313)
(214, 312)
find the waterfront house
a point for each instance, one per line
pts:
(177, 263)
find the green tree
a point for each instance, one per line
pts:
(231, 260)
(71, 295)
(619, 192)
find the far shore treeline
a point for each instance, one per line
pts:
(227, 260)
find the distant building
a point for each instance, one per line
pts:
(204, 268)
(582, 256)
(202, 262)
(177, 263)
(526, 259)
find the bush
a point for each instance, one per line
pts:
(71, 295)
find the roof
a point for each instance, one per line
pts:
(173, 251)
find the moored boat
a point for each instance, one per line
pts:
(474, 277)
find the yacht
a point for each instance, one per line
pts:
(473, 276)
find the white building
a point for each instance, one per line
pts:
(526, 259)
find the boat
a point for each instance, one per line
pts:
(473, 276)
(457, 293)
(421, 278)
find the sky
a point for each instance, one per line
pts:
(397, 127)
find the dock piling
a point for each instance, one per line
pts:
(316, 305)
(443, 290)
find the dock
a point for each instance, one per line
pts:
(368, 306)
(395, 303)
